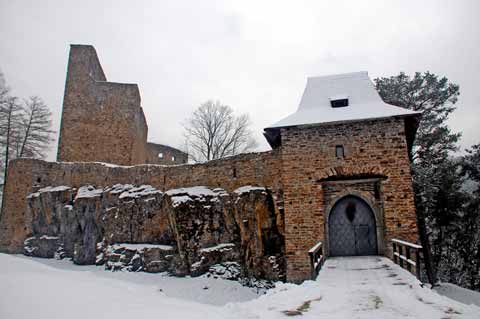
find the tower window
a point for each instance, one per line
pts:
(160, 155)
(339, 103)
(339, 152)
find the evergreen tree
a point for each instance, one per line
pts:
(468, 241)
(435, 97)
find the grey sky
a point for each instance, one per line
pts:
(252, 55)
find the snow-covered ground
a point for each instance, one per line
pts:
(357, 287)
(458, 293)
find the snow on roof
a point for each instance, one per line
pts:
(364, 102)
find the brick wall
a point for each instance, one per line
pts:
(372, 148)
(28, 175)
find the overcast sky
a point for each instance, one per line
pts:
(252, 55)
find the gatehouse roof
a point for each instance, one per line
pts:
(338, 98)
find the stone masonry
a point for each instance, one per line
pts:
(165, 155)
(373, 149)
(102, 121)
(304, 177)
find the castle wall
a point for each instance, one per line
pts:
(101, 121)
(28, 175)
(372, 148)
(164, 155)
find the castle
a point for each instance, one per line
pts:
(338, 173)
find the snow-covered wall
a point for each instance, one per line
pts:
(27, 176)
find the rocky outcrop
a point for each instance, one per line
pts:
(42, 246)
(184, 231)
(262, 242)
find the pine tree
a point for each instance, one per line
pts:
(436, 98)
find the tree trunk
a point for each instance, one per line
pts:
(427, 255)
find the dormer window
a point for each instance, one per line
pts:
(339, 102)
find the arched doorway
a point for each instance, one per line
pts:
(352, 228)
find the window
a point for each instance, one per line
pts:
(339, 103)
(160, 155)
(173, 158)
(339, 152)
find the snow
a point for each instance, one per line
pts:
(48, 237)
(88, 192)
(183, 195)
(119, 188)
(143, 190)
(178, 200)
(218, 247)
(466, 296)
(406, 243)
(349, 287)
(49, 189)
(248, 188)
(140, 246)
(50, 289)
(196, 191)
(364, 101)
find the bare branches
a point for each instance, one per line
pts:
(24, 127)
(213, 131)
(36, 132)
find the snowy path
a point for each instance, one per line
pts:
(357, 287)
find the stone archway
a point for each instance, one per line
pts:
(352, 228)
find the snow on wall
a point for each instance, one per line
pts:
(49, 189)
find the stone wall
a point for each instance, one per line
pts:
(101, 121)
(165, 155)
(28, 175)
(305, 177)
(373, 148)
(104, 121)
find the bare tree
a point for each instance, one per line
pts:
(10, 119)
(35, 134)
(24, 128)
(214, 131)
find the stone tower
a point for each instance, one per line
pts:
(101, 121)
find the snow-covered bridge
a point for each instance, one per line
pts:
(359, 287)
(346, 287)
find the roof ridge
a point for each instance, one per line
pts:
(338, 76)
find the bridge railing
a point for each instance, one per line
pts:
(316, 259)
(407, 255)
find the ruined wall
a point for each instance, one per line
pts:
(372, 148)
(28, 175)
(165, 155)
(101, 121)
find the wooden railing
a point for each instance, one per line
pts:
(316, 259)
(403, 251)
